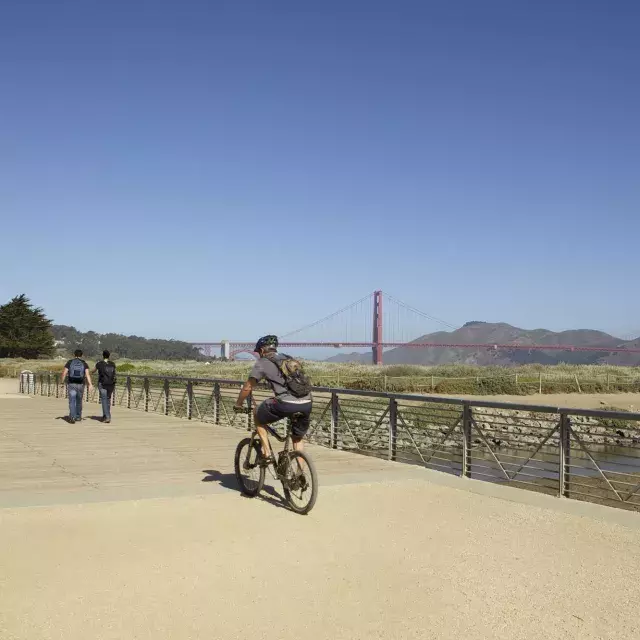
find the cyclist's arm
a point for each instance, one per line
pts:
(245, 392)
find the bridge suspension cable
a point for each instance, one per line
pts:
(331, 316)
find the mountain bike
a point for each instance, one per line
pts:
(294, 469)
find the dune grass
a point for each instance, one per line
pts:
(448, 379)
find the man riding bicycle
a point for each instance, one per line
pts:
(292, 393)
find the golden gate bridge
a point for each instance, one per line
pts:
(368, 323)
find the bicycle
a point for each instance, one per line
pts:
(300, 487)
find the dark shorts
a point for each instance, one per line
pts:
(273, 410)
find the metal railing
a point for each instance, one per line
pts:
(581, 454)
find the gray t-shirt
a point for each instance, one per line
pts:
(264, 369)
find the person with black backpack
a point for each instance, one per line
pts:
(292, 389)
(106, 383)
(77, 372)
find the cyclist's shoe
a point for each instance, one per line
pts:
(265, 461)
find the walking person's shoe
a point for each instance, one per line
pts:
(107, 420)
(72, 420)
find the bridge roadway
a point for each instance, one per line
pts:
(135, 530)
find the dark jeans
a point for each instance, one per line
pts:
(76, 391)
(105, 398)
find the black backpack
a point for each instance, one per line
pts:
(109, 373)
(295, 379)
(76, 370)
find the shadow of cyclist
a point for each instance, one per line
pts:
(228, 481)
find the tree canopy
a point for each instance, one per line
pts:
(120, 346)
(25, 331)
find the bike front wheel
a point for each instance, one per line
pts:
(300, 482)
(249, 473)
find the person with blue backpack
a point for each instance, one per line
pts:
(77, 372)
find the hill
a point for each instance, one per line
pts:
(502, 333)
(134, 347)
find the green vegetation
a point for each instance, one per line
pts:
(25, 332)
(133, 347)
(447, 380)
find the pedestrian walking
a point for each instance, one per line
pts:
(106, 383)
(77, 372)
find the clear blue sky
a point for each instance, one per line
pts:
(205, 169)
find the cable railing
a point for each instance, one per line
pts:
(585, 454)
(507, 383)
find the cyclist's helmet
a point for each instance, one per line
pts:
(266, 341)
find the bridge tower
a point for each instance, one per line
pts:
(225, 350)
(377, 327)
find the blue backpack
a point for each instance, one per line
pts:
(76, 370)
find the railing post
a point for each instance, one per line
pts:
(166, 397)
(466, 441)
(250, 412)
(335, 410)
(146, 394)
(21, 383)
(41, 384)
(129, 392)
(57, 379)
(565, 456)
(393, 428)
(86, 388)
(189, 399)
(216, 403)
(48, 385)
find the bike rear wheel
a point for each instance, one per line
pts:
(300, 483)
(249, 474)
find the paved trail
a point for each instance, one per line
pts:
(388, 552)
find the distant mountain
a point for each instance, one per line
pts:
(626, 359)
(501, 333)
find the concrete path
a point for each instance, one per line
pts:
(46, 460)
(388, 552)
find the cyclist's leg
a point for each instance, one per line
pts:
(264, 415)
(300, 426)
(264, 439)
